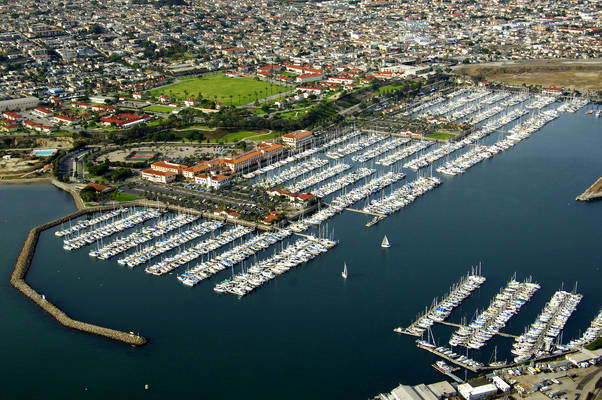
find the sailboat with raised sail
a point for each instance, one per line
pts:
(344, 273)
(385, 244)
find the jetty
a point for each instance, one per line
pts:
(22, 266)
(594, 192)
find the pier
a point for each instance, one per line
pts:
(449, 374)
(508, 335)
(374, 214)
(594, 192)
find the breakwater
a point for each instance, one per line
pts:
(593, 192)
(29, 247)
(22, 266)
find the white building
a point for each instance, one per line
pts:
(474, 393)
(158, 176)
(213, 181)
(501, 384)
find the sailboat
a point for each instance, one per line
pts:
(385, 244)
(344, 273)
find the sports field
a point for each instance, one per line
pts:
(219, 87)
(159, 109)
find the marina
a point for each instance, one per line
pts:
(132, 219)
(91, 289)
(119, 245)
(205, 247)
(593, 332)
(232, 257)
(296, 253)
(147, 253)
(541, 335)
(501, 308)
(441, 310)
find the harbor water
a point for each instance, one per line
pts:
(309, 333)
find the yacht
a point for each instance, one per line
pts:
(385, 244)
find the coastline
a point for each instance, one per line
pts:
(25, 181)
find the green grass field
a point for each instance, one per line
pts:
(240, 135)
(221, 86)
(118, 196)
(390, 87)
(159, 109)
(441, 135)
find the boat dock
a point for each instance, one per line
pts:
(593, 192)
(452, 360)
(365, 212)
(448, 373)
(508, 335)
(374, 221)
(439, 311)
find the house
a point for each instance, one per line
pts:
(100, 188)
(43, 128)
(30, 124)
(137, 95)
(272, 217)
(310, 89)
(310, 77)
(42, 112)
(10, 128)
(124, 120)
(344, 80)
(164, 99)
(269, 68)
(298, 139)
(234, 51)
(11, 116)
(62, 119)
(189, 102)
(158, 176)
(101, 108)
(81, 105)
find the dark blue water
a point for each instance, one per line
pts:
(308, 333)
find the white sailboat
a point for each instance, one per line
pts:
(385, 244)
(344, 273)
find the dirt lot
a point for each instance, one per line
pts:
(166, 152)
(570, 74)
(18, 166)
(579, 80)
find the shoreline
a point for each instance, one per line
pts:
(25, 181)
